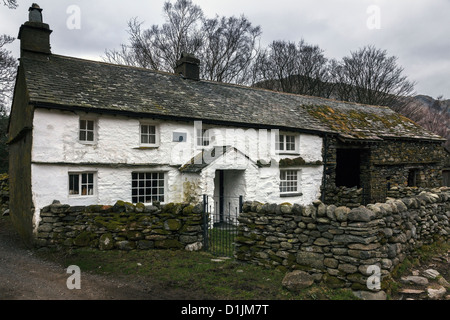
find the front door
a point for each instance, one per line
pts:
(229, 185)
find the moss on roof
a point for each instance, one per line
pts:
(368, 122)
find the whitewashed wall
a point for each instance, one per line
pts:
(116, 154)
(50, 182)
(55, 140)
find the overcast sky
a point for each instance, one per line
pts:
(415, 31)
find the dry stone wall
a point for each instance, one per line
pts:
(337, 245)
(123, 226)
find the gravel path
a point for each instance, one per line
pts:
(23, 276)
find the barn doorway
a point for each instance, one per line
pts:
(348, 168)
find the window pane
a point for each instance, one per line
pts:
(148, 134)
(288, 181)
(290, 143)
(87, 130)
(149, 187)
(279, 142)
(74, 186)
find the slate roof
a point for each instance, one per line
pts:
(66, 82)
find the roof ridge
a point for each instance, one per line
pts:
(72, 82)
(242, 86)
(111, 64)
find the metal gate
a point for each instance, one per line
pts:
(220, 224)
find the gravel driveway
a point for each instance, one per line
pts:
(23, 276)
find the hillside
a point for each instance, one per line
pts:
(432, 114)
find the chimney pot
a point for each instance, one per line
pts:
(35, 13)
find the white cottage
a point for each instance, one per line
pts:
(86, 132)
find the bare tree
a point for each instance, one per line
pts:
(277, 65)
(370, 76)
(159, 47)
(11, 4)
(437, 120)
(8, 66)
(225, 46)
(296, 68)
(230, 46)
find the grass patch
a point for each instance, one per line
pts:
(193, 272)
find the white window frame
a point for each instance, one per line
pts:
(291, 187)
(86, 130)
(141, 133)
(283, 141)
(142, 178)
(81, 184)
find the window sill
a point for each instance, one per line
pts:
(75, 196)
(290, 195)
(88, 143)
(146, 147)
(287, 153)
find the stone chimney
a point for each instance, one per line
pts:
(188, 66)
(34, 35)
